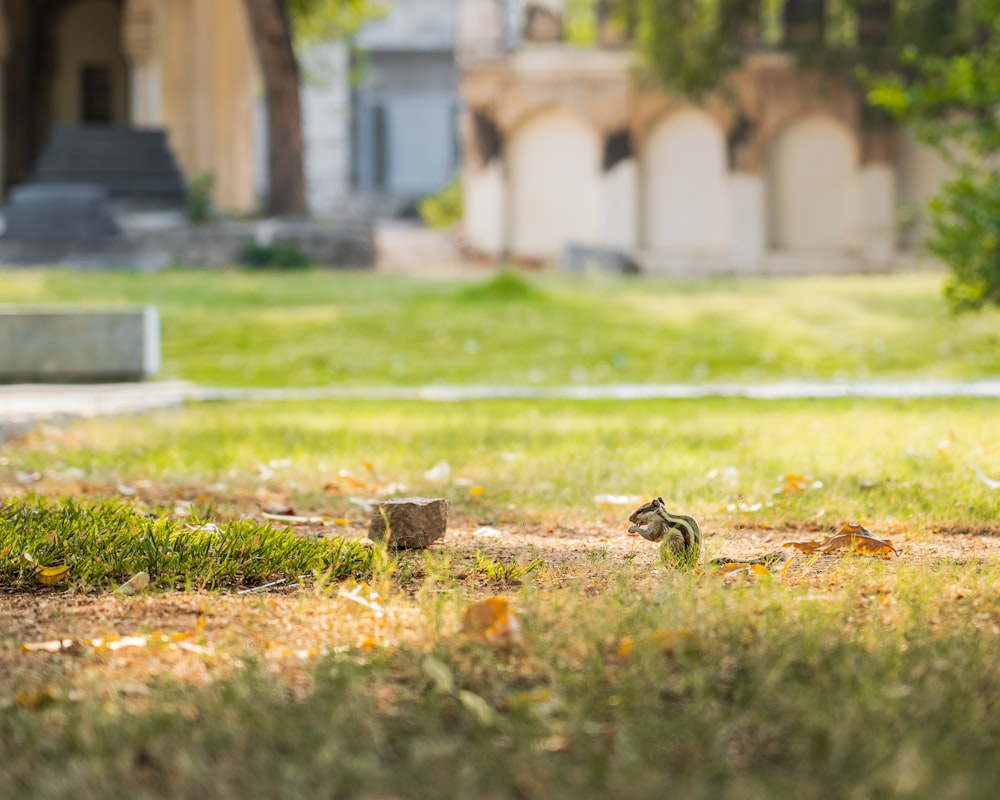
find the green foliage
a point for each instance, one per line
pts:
(200, 193)
(688, 46)
(443, 209)
(327, 20)
(496, 569)
(104, 544)
(279, 255)
(965, 222)
(953, 101)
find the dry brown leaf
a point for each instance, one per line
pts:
(806, 547)
(853, 537)
(179, 641)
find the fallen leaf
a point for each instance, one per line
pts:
(136, 583)
(53, 646)
(365, 596)
(494, 621)
(853, 537)
(476, 491)
(439, 473)
(50, 576)
(792, 483)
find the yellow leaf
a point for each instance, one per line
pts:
(50, 576)
(625, 647)
(476, 491)
(494, 621)
(759, 569)
(733, 566)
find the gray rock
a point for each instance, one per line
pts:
(414, 522)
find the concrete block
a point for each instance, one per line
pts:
(78, 345)
(60, 213)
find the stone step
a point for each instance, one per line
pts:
(130, 163)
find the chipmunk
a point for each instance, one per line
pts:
(680, 537)
(679, 533)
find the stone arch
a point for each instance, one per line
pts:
(685, 202)
(553, 163)
(812, 180)
(90, 82)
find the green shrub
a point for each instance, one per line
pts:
(278, 255)
(200, 204)
(965, 233)
(444, 209)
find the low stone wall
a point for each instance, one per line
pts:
(344, 244)
(53, 345)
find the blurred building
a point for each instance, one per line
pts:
(117, 67)
(85, 83)
(406, 102)
(563, 146)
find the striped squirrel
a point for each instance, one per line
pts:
(679, 533)
(680, 537)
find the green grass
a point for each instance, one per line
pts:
(106, 543)
(856, 678)
(328, 328)
(909, 461)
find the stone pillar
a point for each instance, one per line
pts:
(877, 185)
(748, 221)
(621, 206)
(139, 40)
(485, 218)
(620, 189)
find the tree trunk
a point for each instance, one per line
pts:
(273, 38)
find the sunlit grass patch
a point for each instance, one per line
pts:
(104, 544)
(729, 461)
(323, 327)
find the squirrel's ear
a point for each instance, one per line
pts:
(660, 500)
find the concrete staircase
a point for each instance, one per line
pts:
(135, 166)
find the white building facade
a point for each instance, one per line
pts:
(786, 172)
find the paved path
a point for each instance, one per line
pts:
(24, 403)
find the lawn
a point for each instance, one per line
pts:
(275, 655)
(326, 328)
